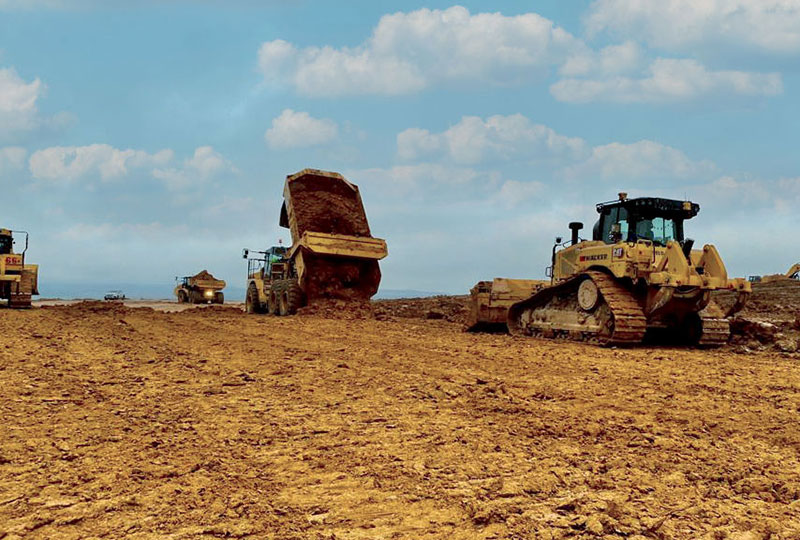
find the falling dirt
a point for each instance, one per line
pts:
(209, 423)
(347, 279)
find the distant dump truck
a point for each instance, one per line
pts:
(201, 288)
(333, 253)
(18, 281)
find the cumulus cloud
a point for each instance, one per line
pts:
(610, 60)
(12, 158)
(513, 192)
(473, 140)
(205, 164)
(423, 176)
(408, 52)
(770, 26)
(68, 163)
(18, 110)
(668, 80)
(295, 129)
(642, 160)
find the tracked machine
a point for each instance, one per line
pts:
(333, 254)
(637, 276)
(18, 281)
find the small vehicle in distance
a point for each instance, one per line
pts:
(115, 296)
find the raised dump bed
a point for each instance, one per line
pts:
(333, 253)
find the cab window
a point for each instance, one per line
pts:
(615, 226)
(658, 230)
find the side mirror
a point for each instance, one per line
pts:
(245, 253)
(558, 239)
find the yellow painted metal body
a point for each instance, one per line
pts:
(16, 277)
(490, 300)
(656, 265)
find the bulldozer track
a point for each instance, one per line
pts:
(624, 325)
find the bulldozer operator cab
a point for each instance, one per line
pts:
(650, 219)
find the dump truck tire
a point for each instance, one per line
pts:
(219, 298)
(251, 302)
(273, 302)
(182, 297)
(291, 297)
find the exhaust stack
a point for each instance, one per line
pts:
(575, 226)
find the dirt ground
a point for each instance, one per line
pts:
(122, 422)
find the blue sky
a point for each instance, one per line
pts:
(139, 142)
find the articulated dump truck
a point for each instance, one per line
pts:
(18, 281)
(638, 275)
(333, 253)
(201, 288)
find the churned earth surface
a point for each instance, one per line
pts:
(382, 422)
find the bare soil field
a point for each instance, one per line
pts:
(379, 422)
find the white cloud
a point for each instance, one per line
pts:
(770, 26)
(642, 160)
(66, 163)
(513, 192)
(611, 60)
(668, 80)
(12, 158)
(423, 175)
(295, 129)
(18, 110)
(206, 163)
(408, 52)
(473, 140)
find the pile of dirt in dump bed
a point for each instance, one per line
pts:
(325, 205)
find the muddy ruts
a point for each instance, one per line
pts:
(617, 318)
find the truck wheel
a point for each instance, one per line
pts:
(291, 298)
(273, 304)
(251, 301)
(182, 298)
(219, 298)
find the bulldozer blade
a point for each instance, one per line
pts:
(490, 300)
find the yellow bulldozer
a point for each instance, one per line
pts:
(638, 275)
(18, 281)
(333, 254)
